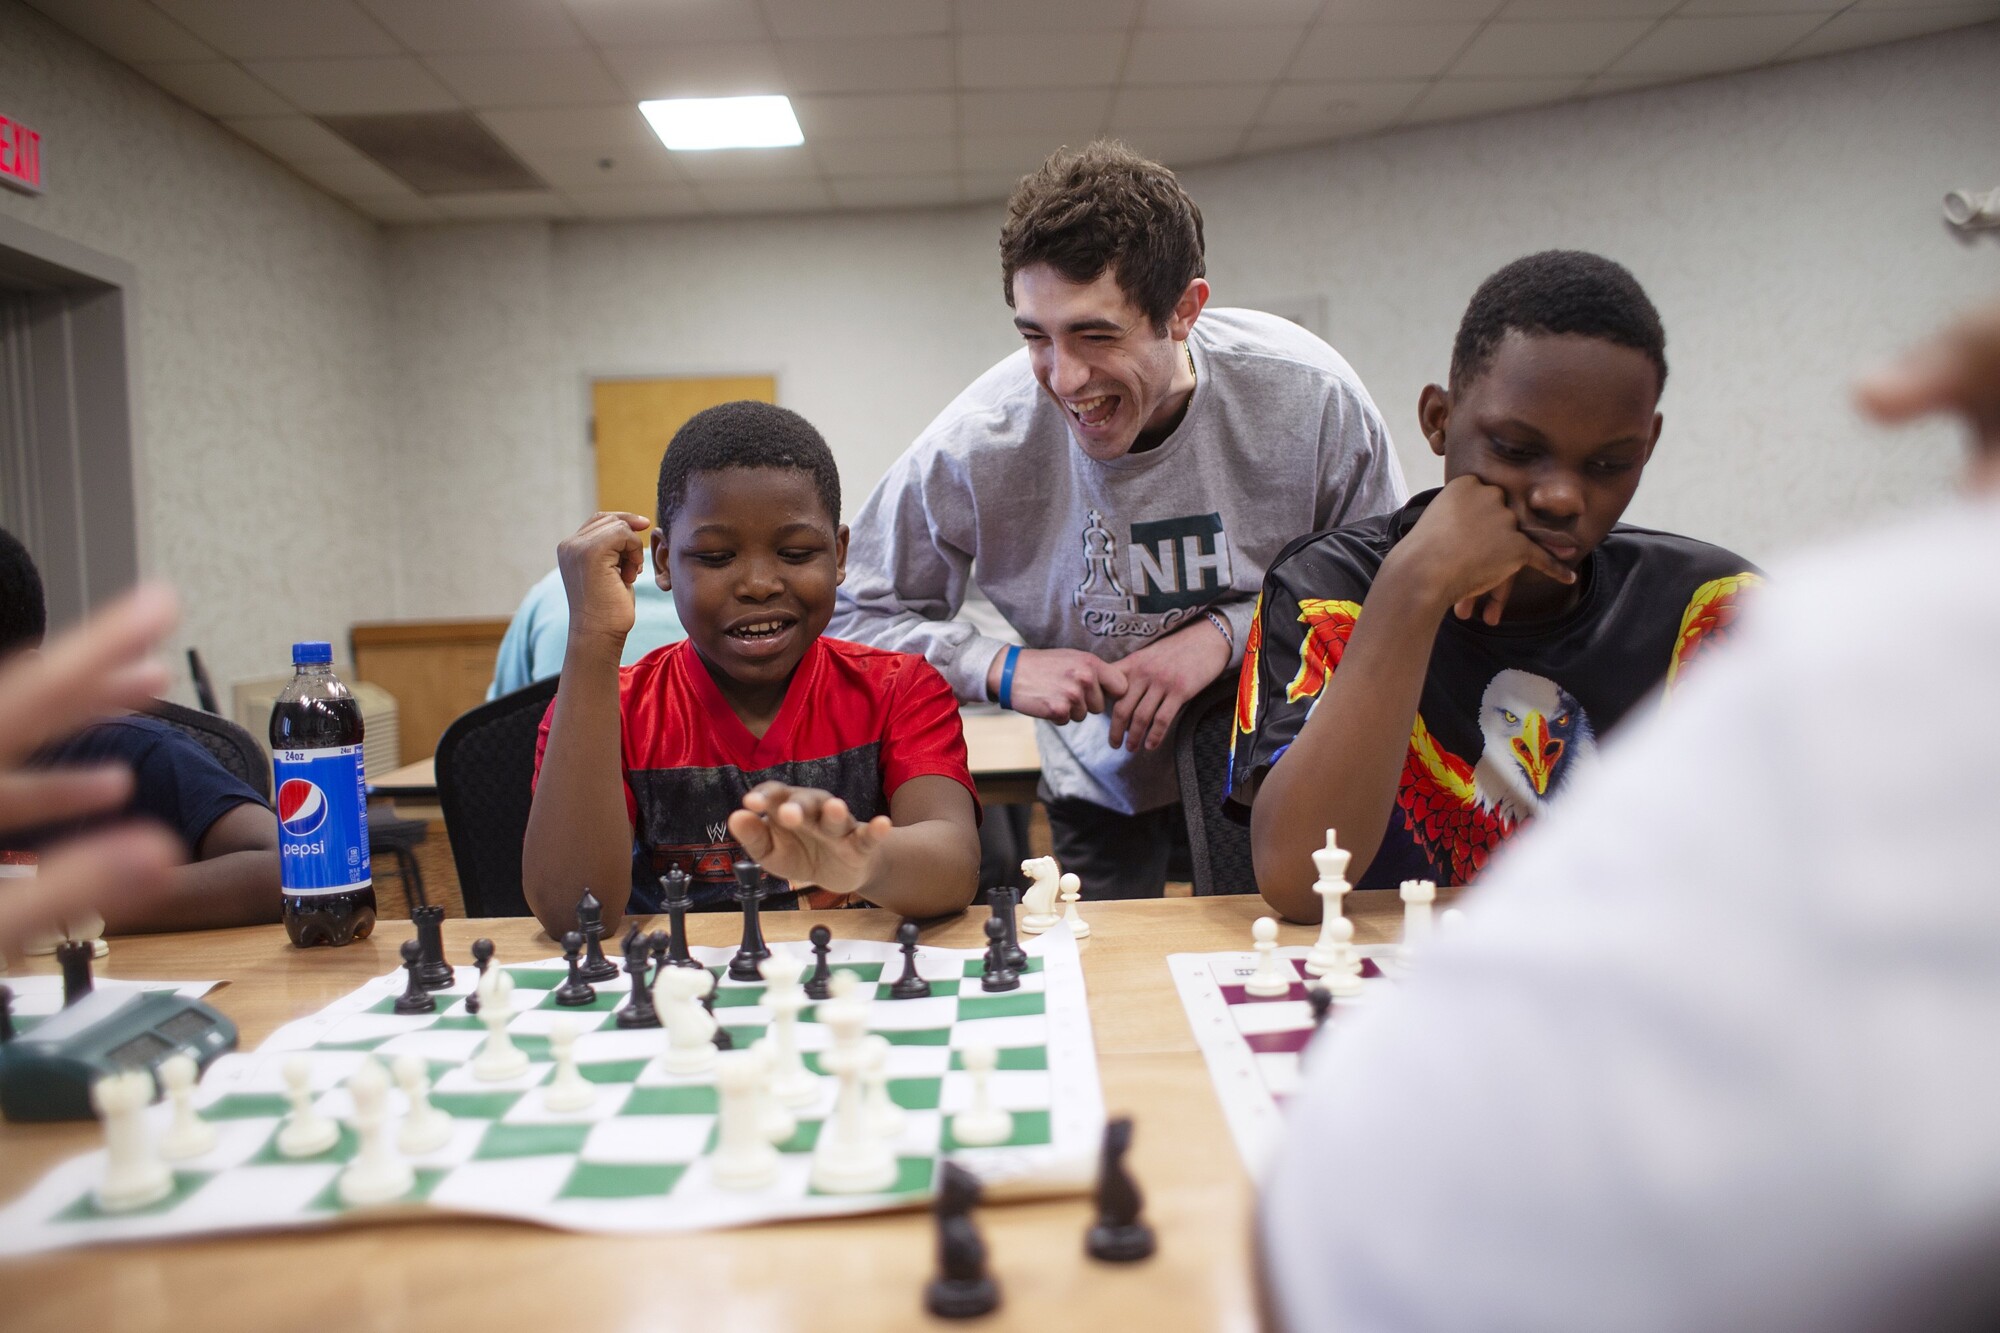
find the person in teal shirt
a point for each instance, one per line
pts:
(532, 648)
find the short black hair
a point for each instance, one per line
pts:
(745, 434)
(24, 614)
(1558, 291)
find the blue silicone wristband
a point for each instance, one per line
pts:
(1007, 676)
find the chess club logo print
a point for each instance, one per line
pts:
(1174, 568)
(301, 807)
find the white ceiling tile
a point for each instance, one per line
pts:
(1864, 27)
(1275, 138)
(218, 87)
(1222, 106)
(992, 154)
(888, 157)
(1710, 45)
(435, 27)
(129, 30)
(408, 206)
(1013, 60)
(1228, 13)
(1606, 84)
(528, 78)
(267, 30)
(1410, 11)
(1702, 8)
(748, 164)
(645, 202)
(355, 176)
(1047, 111)
(857, 18)
(1054, 15)
(1538, 50)
(1380, 50)
(1169, 58)
(1182, 148)
(1588, 9)
(1988, 5)
(1336, 106)
(1453, 99)
(709, 69)
(873, 116)
(613, 23)
(895, 191)
(295, 138)
(355, 87)
(504, 204)
(607, 131)
(985, 187)
(767, 196)
(575, 167)
(867, 64)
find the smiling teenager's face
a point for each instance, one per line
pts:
(1564, 424)
(1114, 375)
(752, 559)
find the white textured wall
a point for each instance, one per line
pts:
(258, 345)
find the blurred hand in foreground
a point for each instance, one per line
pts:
(1957, 371)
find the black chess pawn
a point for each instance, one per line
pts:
(819, 986)
(590, 921)
(414, 999)
(677, 899)
(576, 992)
(749, 894)
(75, 956)
(432, 969)
(963, 1289)
(909, 986)
(482, 954)
(1118, 1236)
(1002, 901)
(6, 1014)
(638, 1011)
(994, 972)
(1320, 999)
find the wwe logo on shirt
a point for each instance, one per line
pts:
(718, 832)
(1176, 566)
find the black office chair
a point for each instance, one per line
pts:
(1218, 846)
(204, 689)
(485, 780)
(233, 747)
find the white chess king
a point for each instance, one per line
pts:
(1329, 952)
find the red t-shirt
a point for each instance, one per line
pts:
(857, 722)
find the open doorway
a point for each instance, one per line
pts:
(66, 475)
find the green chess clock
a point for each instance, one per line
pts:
(47, 1073)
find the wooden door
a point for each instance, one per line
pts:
(633, 421)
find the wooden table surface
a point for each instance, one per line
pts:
(445, 1276)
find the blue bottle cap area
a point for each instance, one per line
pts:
(315, 651)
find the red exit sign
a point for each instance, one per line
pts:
(20, 156)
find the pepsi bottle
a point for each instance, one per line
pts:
(322, 804)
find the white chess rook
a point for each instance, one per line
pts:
(1327, 953)
(1273, 977)
(1417, 895)
(134, 1175)
(189, 1135)
(377, 1174)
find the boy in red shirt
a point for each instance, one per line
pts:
(840, 769)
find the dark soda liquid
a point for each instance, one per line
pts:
(323, 919)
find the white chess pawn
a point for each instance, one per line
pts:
(499, 1059)
(1272, 978)
(1038, 904)
(189, 1135)
(306, 1133)
(849, 1157)
(744, 1158)
(569, 1090)
(690, 1028)
(425, 1127)
(1331, 886)
(1343, 979)
(1072, 894)
(885, 1118)
(1451, 920)
(1417, 896)
(377, 1174)
(982, 1124)
(777, 1120)
(792, 1084)
(134, 1175)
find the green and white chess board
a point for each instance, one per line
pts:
(636, 1159)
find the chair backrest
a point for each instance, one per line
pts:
(485, 779)
(1217, 844)
(233, 747)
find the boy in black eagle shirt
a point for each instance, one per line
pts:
(1510, 617)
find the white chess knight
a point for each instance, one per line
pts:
(306, 1133)
(1330, 951)
(1072, 894)
(850, 1158)
(1038, 904)
(377, 1174)
(499, 1059)
(792, 1084)
(1417, 895)
(982, 1124)
(744, 1158)
(568, 1090)
(1273, 977)
(690, 1028)
(134, 1175)
(189, 1135)
(426, 1128)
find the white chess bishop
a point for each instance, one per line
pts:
(134, 1175)
(850, 1157)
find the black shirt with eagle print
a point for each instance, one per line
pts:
(1509, 713)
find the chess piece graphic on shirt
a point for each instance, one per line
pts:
(1101, 590)
(963, 1289)
(1118, 1236)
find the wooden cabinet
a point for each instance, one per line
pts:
(437, 669)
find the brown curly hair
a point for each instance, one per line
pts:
(1105, 207)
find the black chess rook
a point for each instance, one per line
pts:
(432, 970)
(74, 957)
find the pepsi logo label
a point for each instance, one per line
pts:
(302, 807)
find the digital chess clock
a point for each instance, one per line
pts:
(47, 1073)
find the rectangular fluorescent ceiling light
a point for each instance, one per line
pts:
(694, 123)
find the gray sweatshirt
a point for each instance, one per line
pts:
(1280, 439)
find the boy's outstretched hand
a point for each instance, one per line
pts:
(599, 563)
(807, 836)
(1467, 549)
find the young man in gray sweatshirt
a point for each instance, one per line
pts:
(1117, 489)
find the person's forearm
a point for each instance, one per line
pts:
(924, 870)
(1342, 770)
(578, 834)
(235, 889)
